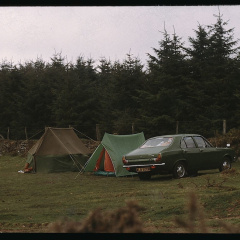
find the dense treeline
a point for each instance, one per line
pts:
(197, 86)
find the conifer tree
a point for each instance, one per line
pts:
(7, 100)
(75, 101)
(212, 60)
(105, 95)
(127, 79)
(200, 73)
(222, 54)
(165, 98)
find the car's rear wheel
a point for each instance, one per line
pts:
(179, 170)
(144, 176)
(225, 165)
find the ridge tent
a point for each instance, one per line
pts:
(107, 158)
(58, 150)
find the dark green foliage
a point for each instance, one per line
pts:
(75, 99)
(165, 99)
(214, 71)
(184, 89)
(128, 78)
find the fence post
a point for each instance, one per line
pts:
(133, 128)
(8, 133)
(224, 127)
(98, 135)
(177, 123)
(26, 133)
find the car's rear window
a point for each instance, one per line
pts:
(157, 142)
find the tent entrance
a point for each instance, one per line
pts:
(104, 165)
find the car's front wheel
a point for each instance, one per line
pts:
(144, 176)
(179, 170)
(225, 165)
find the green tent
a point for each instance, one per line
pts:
(107, 158)
(58, 150)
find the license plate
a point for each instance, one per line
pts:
(144, 169)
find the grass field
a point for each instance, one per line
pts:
(29, 202)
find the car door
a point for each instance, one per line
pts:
(192, 154)
(209, 153)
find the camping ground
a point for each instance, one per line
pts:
(29, 202)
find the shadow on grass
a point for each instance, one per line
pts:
(168, 177)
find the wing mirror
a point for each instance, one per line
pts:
(228, 145)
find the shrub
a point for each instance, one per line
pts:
(232, 137)
(122, 220)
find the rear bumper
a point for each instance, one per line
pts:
(154, 168)
(143, 165)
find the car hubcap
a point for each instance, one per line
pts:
(180, 171)
(226, 165)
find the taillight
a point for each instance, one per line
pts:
(128, 168)
(159, 158)
(153, 167)
(125, 161)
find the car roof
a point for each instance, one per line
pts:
(177, 135)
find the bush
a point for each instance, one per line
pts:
(122, 220)
(232, 138)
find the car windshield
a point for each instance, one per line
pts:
(156, 142)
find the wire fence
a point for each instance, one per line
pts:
(96, 132)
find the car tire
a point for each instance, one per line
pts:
(225, 165)
(144, 176)
(179, 170)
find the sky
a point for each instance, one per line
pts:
(29, 33)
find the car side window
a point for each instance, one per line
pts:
(200, 142)
(183, 144)
(208, 144)
(189, 142)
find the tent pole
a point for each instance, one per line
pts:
(75, 163)
(84, 135)
(35, 164)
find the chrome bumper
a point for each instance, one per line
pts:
(145, 165)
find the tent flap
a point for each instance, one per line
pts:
(99, 160)
(108, 166)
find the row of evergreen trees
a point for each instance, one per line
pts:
(197, 86)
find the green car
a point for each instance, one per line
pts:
(180, 155)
